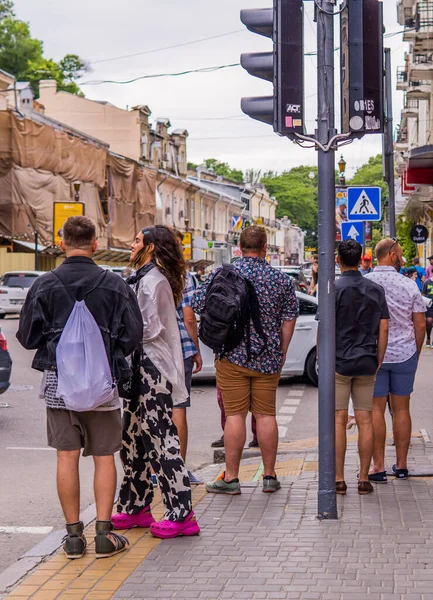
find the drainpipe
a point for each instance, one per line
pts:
(161, 207)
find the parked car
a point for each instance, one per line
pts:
(5, 364)
(301, 356)
(14, 286)
(297, 274)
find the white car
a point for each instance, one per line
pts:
(14, 286)
(301, 356)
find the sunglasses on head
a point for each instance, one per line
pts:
(395, 240)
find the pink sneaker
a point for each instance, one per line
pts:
(124, 521)
(172, 529)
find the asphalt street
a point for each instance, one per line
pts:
(28, 488)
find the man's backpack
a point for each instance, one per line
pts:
(230, 306)
(85, 381)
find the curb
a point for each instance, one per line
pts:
(33, 557)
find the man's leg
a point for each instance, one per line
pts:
(340, 443)
(379, 429)
(235, 385)
(264, 400)
(402, 428)
(180, 420)
(68, 484)
(364, 421)
(429, 325)
(343, 387)
(267, 434)
(104, 485)
(234, 440)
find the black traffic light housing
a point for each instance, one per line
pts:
(362, 94)
(283, 23)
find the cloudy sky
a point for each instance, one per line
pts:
(207, 104)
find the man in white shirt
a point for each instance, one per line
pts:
(397, 375)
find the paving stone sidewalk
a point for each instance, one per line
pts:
(272, 546)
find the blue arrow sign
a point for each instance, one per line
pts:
(364, 204)
(352, 231)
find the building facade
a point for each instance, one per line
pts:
(413, 146)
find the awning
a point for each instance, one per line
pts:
(29, 245)
(420, 168)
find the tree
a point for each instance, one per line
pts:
(404, 225)
(224, 169)
(296, 193)
(22, 56)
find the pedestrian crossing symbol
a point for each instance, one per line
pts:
(364, 203)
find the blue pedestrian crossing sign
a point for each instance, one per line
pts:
(352, 231)
(364, 204)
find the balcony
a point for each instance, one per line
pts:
(423, 24)
(411, 108)
(421, 68)
(420, 90)
(402, 79)
(402, 141)
(404, 10)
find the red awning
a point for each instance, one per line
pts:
(420, 168)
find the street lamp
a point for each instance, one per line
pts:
(77, 185)
(342, 169)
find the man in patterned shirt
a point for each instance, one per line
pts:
(396, 376)
(187, 323)
(250, 384)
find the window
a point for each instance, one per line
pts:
(307, 308)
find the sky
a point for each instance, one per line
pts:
(206, 104)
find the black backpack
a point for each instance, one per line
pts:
(230, 306)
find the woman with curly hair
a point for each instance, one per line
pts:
(150, 439)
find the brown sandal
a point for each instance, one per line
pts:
(364, 488)
(341, 487)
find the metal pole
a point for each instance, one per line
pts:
(327, 500)
(389, 143)
(36, 251)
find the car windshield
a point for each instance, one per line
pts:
(22, 280)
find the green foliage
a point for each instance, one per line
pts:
(403, 226)
(296, 193)
(224, 169)
(22, 56)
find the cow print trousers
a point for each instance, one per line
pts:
(150, 441)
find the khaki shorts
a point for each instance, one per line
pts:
(360, 388)
(98, 432)
(244, 390)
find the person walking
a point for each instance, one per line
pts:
(427, 292)
(150, 439)
(396, 376)
(312, 290)
(249, 372)
(43, 318)
(361, 340)
(421, 272)
(192, 360)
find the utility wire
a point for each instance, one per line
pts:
(198, 41)
(158, 75)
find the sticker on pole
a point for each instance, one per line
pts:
(353, 231)
(364, 203)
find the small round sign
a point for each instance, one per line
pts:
(419, 234)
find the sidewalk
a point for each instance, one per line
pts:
(272, 546)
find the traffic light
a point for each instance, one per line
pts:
(362, 107)
(283, 67)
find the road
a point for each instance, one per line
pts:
(28, 493)
(28, 496)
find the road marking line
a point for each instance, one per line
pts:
(288, 409)
(283, 420)
(294, 401)
(282, 432)
(32, 530)
(295, 393)
(25, 448)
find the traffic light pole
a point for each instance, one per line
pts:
(389, 143)
(327, 500)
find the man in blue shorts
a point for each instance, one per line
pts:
(397, 374)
